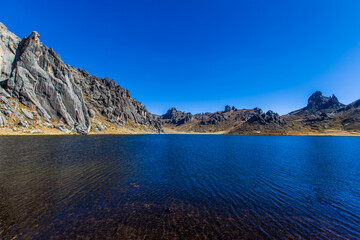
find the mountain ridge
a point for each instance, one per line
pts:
(321, 114)
(34, 76)
(38, 91)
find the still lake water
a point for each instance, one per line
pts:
(179, 187)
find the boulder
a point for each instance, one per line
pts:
(92, 113)
(3, 121)
(35, 131)
(27, 114)
(62, 128)
(23, 124)
(227, 108)
(4, 93)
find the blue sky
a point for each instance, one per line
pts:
(201, 55)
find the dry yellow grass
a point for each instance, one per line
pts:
(127, 131)
(17, 131)
(173, 131)
(289, 133)
(44, 131)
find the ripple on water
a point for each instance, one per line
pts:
(179, 187)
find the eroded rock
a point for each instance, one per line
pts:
(27, 114)
(36, 76)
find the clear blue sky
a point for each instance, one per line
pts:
(201, 55)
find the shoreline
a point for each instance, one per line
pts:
(56, 132)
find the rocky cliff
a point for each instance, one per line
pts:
(36, 80)
(317, 103)
(173, 116)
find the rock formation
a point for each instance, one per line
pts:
(227, 108)
(225, 120)
(265, 118)
(36, 76)
(173, 116)
(317, 103)
(37, 89)
(320, 114)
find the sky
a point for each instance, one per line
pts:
(199, 56)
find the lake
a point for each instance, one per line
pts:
(179, 187)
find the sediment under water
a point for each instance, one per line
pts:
(179, 187)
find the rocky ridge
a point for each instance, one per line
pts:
(317, 103)
(38, 85)
(321, 114)
(227, 120)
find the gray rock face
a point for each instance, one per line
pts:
(27, 114)
(41, 81)
(23, 124)
(317, 103)
(37, 77)
(352, 105)
(227, 108)
(176, 117)
(62, 128)
(35, 131)
(3, 121)
(3, 93)
(112, 101)
(265, 118)
(8, 45)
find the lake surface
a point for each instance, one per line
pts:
(179, 187)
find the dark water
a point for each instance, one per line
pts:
(179, 187)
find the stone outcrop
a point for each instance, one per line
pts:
(227, 108)
(317, 103)
(173, 116)
(42, 82)
(37, 77)
(107, 98)
(218, 121)
(8, 45)
(265, 118)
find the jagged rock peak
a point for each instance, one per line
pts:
(265, 118)
(176, 117)
(41, 81)
(171, 113)
(258, 110)
(227, 108)
(316, 99)
(318, 102)
(8, 45)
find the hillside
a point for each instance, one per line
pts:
(39, 92)
(321, 116)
